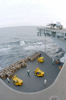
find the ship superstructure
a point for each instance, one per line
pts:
(52, 29)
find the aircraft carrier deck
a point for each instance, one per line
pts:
(33, 87)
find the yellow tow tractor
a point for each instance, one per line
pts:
(38, 72)
(40, 59)
(16, 80)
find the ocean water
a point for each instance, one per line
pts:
(17, 43)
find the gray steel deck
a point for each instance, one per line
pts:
(57, 87)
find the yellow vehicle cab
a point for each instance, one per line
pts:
(38, 72)
(40, 59)
(16, 80)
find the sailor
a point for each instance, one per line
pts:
(28, 72)
(45, 81)
(53, 61)
(8, 79)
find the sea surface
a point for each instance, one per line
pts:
(17, 43)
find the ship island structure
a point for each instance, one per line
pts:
(52, 29)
